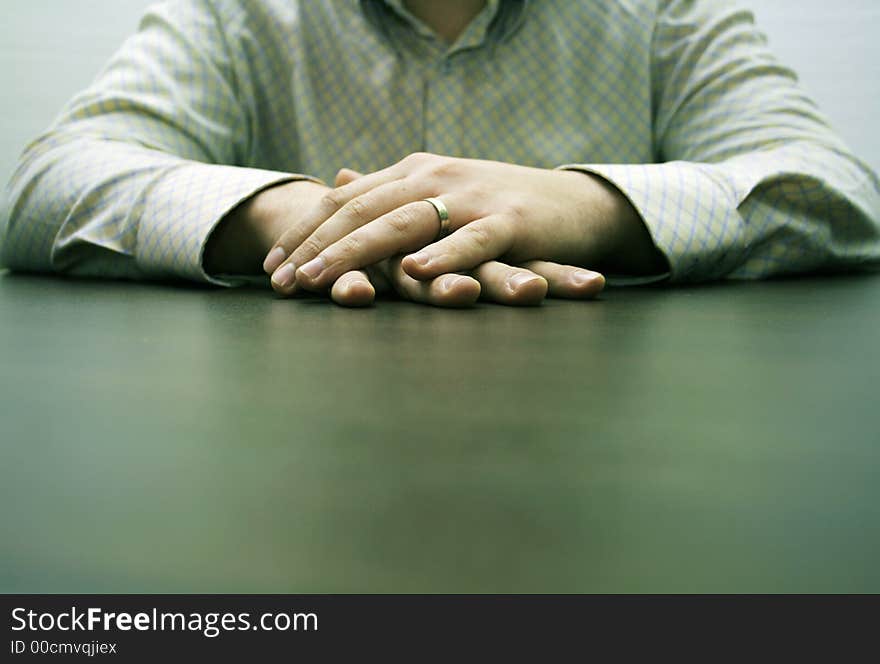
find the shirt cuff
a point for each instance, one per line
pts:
(692, 217)
(183, 208)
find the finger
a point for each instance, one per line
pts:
(405, 228)
(346, 175)
(510, 285)
(471, 245)
(378, 275)
(333, 200)
(356, 214)
(348, 187)
(568, 281)
(353, 289)
(448, 290)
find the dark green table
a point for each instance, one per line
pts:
(157, 438)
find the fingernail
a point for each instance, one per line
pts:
(314, 267)
(449, 282)
(284, 276)
(516, 281)
(422, 258)
(274, 259)
(583, 277)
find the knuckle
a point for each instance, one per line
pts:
(478, 191)
(311, 246)
(332, 200)
(518, 212)
(478, 236)
(443, 167)
(359, 210)
(416, 158)
(350, 246)
(400, 221)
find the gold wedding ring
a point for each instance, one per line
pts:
(443, 213)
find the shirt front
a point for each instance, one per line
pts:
(679, 104)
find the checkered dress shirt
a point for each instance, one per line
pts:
(679, 103)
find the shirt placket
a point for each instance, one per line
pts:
(444, 71)
(442, 107)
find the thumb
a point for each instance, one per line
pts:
(346, 175)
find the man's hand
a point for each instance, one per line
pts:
(246, 234)
(497, 211)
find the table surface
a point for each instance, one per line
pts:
(174, 439)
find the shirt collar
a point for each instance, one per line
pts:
(477, 32)
(398, 6)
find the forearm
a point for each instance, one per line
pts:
(241, 240)
(104, 208)
(73, 206)
(795, 208)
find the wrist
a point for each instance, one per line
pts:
(242, 238)
(235, 243)
(617, 237)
